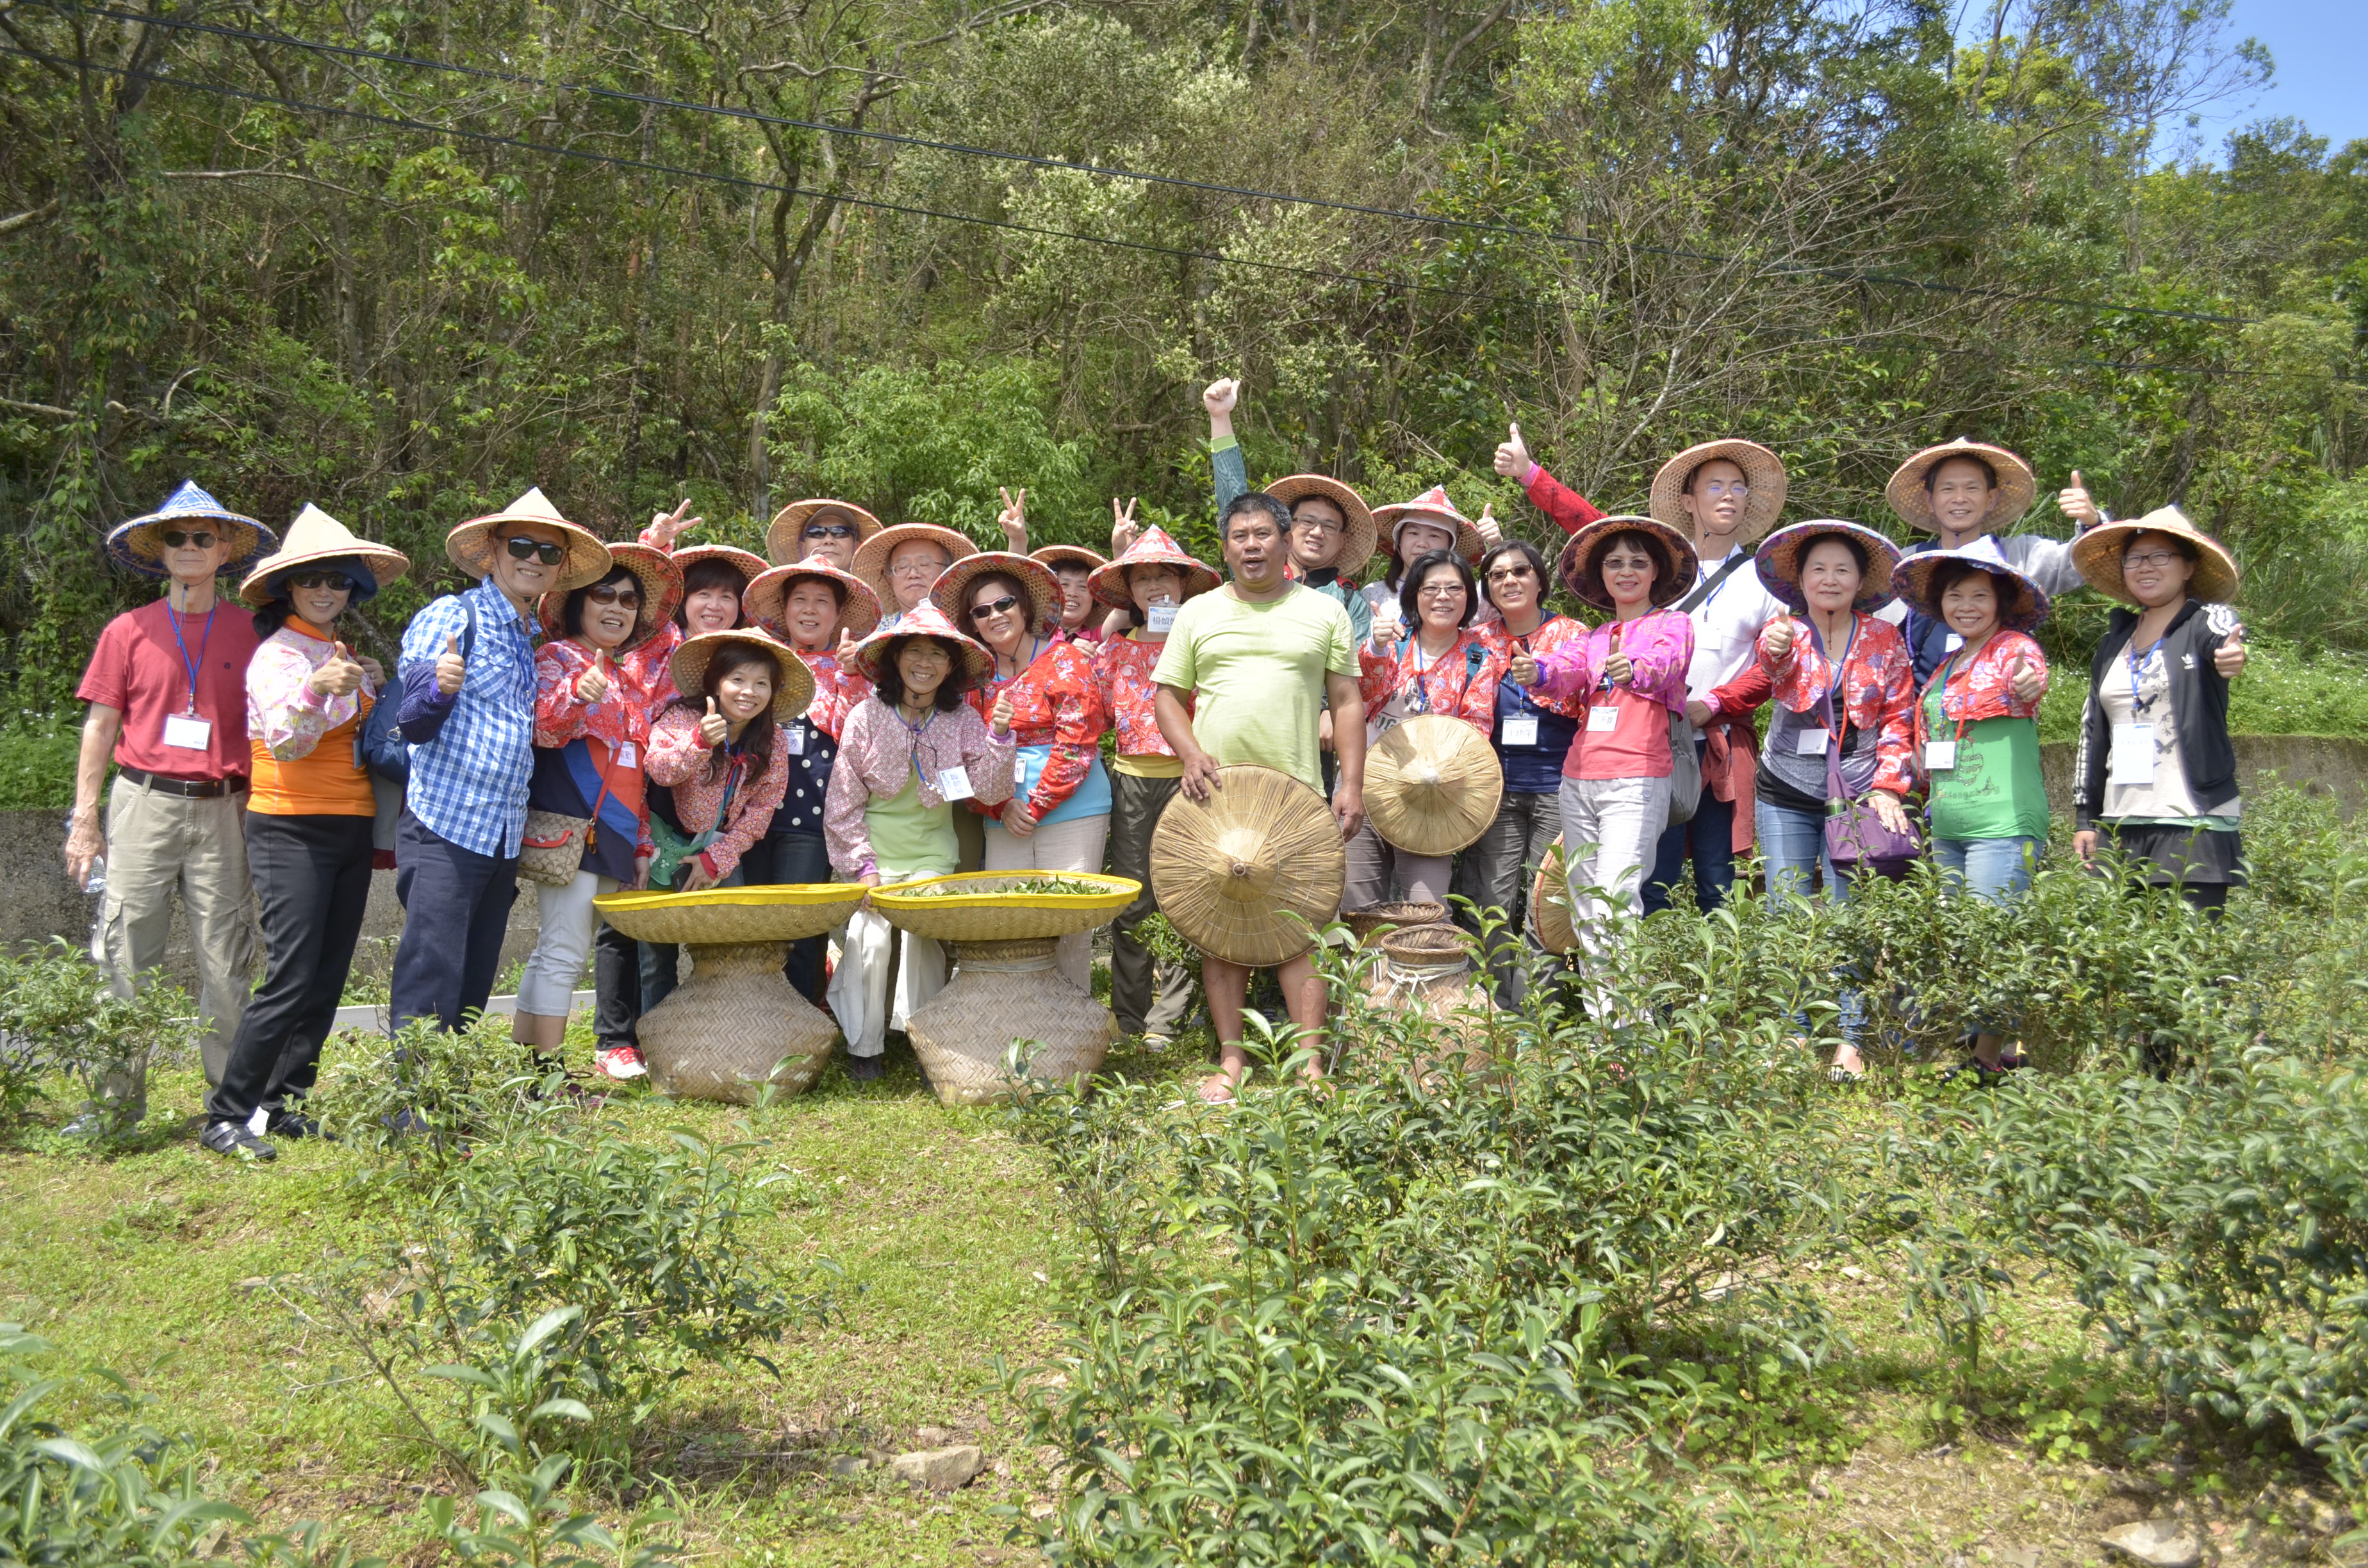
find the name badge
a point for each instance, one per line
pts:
(1522, 731)
(628, 756)
(1951, 643)
(1160, 620)
(187, 732)
(1940, 756)
(1811, 743)
(2132, 755)
(953, 783)
(1602, 720)
(795, 739)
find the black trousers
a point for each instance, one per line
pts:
(777, 860)
(311, 878)
(455, 909)
(615, 987)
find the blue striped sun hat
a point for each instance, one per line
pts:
(138, 545)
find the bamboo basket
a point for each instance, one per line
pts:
(785, 914)
(1001, 992)
(1426, 972)
(991, 914)
(1375, 919)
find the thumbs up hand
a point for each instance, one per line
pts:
(846, 648)
(1778, 637)
(713, 730)
(1013, 519)
(593, 684)
(1522, 668)
(2074, 500)
(372, 672)
(1001, 721)
(2028, 681)
(1513, 456)
(1490, 531)
(1617, 668)
(450, 669)
(338, 675)
(2229, 657)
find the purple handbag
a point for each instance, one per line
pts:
(1856, 838)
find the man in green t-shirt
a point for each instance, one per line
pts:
(1261, 656)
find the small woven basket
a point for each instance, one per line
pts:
(1376, 918)
(785, 914)
(1002, 991)
(1426, 972)
(733, 1027)
(1550, 920)
(991, 914)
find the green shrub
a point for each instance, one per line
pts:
(58, 1015)
(37, 766)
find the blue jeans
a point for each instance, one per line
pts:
(1708, 840)
(1992, 870)
(1792, 843)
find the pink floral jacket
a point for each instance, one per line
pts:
(680, 762)
(283, 711)
(1877, 691)
(1659, 645)
(650, 668)
(877, 755)
(1122, 674)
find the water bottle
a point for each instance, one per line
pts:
(98, 883)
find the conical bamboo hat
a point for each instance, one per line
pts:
(1231, 873)
(1433, 785)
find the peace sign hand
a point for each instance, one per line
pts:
(1124, 529)
(667, 526)
(1014, 520)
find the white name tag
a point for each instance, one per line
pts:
(2133, 757)
(953, 783)
(1521, 732)
(1940, 756)
(1602, 720)
(794, 738)
(629, 755)
(1951, 643)
(1160, 620)
(1811, 743)
(187, 732)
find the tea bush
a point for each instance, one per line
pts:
(58, 1016)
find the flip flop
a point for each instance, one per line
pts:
(1216, 1089)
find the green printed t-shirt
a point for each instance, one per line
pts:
(910, 839)
(1258, 671)
(1995, 791)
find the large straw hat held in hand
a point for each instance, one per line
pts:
(1433, 785)
(2098, 553)
(316, 538)
(1762, 472)
(139, 545)
(661, 587)
(1239, 873)
(785, 538)
(2015, 487)
(1582, 558)
(1361, 535)
(472, 544)
(794, 685)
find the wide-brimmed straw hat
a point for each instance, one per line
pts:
(1043, 589)
(660, 577)
(1154, 548)
(2097, 555)
(859, 607)
(1913, 583)
(315, 539)
(925, 619)
(1239, 873)
(1779, 561)
(472, 545)
(793, 688)
(1432, 506)
(1059, 555)
(871, 562)
(1761, 472)
(1362, 534)
(1671, 548)
(748, 562)
(1433, 785)
(1911, 503)
(784, 538)
(136, 546)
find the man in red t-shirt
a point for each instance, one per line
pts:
(167, 692)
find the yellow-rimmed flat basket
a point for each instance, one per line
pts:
(987, 911)
(786, 914)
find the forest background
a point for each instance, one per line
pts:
(403, 261)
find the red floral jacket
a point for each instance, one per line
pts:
(1552, 634)
(1985, 689)
(1877, 691)
(838, 688)
(1453, 683)
(1055, 702)
(650, 667)
(1122, 680)
(619, 720)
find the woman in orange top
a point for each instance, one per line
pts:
(308, 817)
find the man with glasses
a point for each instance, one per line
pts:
(167, 692)
(468, 711)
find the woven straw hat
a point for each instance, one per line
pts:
(1432, 506)
(1236, 873)
(1362, 535)
(1761, 470)
(470, 546)
(748, 562)
(925, 619)
(1154, 548)
(1913, 583)
(1433, 785)
(1671, 548)
(1043, 589)
(859, 609)
(871, 562)
(2097, 555)
(1550, 920)
(793, 688)
(315, 538)
(1912, 504)
(661, 594)
(784, 538)
(1779, 561)
(136, 545)
(1059, 555)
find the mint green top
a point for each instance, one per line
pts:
(1995, 790)
(909, 839)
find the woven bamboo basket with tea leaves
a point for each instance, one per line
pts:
(1426, 972)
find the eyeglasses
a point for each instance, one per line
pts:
(925, 566)
(525, 549)
(1510, 574)
(1440, 591)
(2158, 558)
(829, 530)
(177, 539)
(1316, 525)
(615, 593)
(1716, 488)
(994, 606)
(320, 580)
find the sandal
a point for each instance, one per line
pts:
(1217, 1089)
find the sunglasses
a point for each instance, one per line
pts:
(614, 594)
(994, 606)
(1510, 574)
(177, 539)
(320, 580)
(524, 548)
(830, 531)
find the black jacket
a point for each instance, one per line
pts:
(2199, 705)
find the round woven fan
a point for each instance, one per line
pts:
(1238, 872)
(1433, 785)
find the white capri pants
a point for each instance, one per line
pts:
(1611, 831)
(561, 946)
(1073, 846)
(858, 987)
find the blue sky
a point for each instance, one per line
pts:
(2320, 47)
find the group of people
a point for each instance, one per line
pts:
(881, 703)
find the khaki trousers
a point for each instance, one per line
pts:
(156, 845)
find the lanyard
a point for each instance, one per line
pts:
(1836, 666)
(2138, 663)
(191, 665)
(1963, 666)
(1421, 703)
(1521, 641)
(1603, 682)
(913, 754)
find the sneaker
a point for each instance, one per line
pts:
(293, 1125)
(866, 1069)
(233, 1141)
(621, 1062)
(1156, 1042)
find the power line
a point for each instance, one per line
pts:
(1854, 274)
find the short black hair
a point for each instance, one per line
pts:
(1253, 501)
(890, 683)
(712, 573)
(571, 614)
(1410, 588)
(1856, 547)
(1990, 470)
(1948, 573)
(1019, 590)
